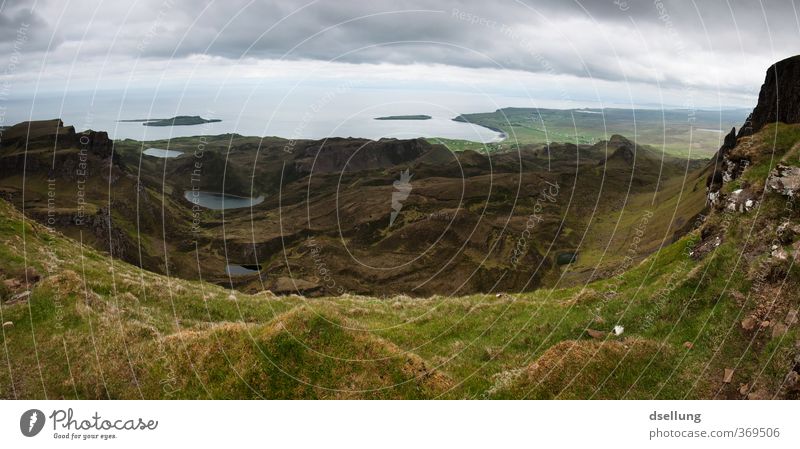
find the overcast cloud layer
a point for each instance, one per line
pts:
(718, 49)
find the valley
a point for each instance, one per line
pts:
(245, 200)
(349, 268)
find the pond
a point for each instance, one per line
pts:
(241, 270)
(566, 258)
(163, 154)
(220, 201)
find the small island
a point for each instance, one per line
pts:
(180, 120)
(405, 117)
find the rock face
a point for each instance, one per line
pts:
(722, 167)
(36, 131)
(741, 200)
(53, 132)
(23, 137)
(779, 99)
(784, 180)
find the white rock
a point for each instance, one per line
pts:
(779, 254)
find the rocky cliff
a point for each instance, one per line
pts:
(779, 99)
(22, 145)
(778, 102)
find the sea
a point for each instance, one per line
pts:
(307, 113)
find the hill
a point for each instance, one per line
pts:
(332, 210)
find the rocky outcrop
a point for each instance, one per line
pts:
(779, 99)
(36, 132)
(43, 133)
(722, 168)
(741, 200)
(624, 153)
(18, 145)
(784, 180)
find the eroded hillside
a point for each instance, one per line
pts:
(352, 215)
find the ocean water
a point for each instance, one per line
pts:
(299, 113)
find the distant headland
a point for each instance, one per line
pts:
(180, 120)
(405, 117)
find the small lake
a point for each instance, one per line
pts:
(220, 201)
(163, 154)
(233, 269)
(566, 258)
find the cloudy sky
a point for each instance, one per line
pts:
(644, 52)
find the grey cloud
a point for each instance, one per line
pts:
(586, 38)
(24, 30)
(359, 31)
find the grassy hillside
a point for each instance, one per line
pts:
(93, 327)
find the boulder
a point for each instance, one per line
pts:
(727, 376)
(749, 323)
(779, 329)
(12, 284)
(779, 253)
(784, 180)
(740, 200)
(598, 335)
(791, 318)
(19, 297)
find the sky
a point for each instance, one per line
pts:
(554, 53)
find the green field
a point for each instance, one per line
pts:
(697, 134)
